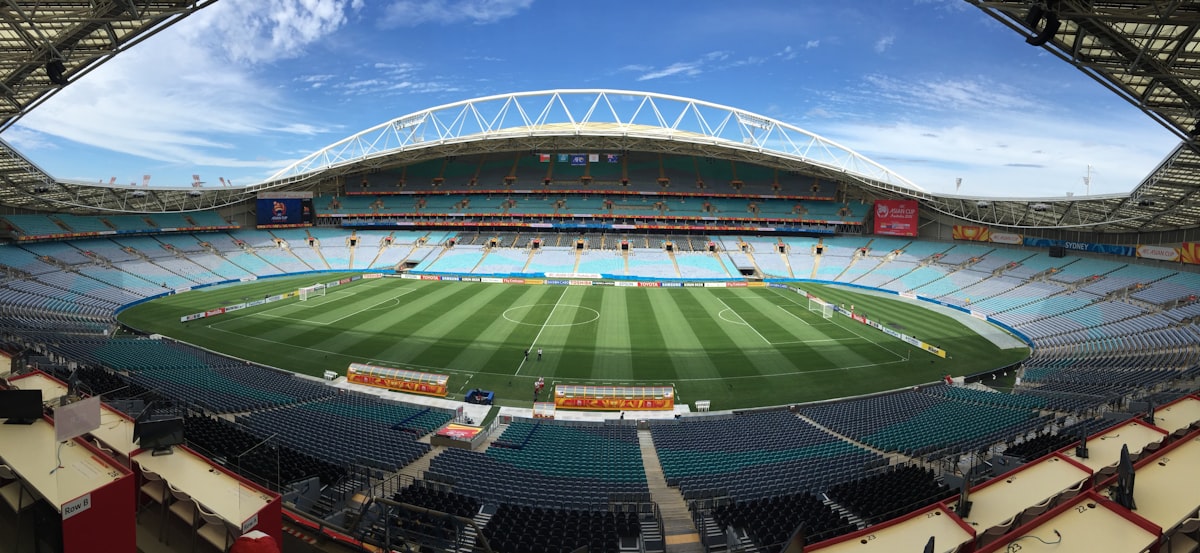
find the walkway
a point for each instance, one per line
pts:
(679, 532)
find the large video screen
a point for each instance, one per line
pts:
(284, 211)
(896, 217)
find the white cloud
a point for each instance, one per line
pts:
(968, 94)
(266, 30)
(884, 43)
(1000, 139)
(786, 54)
(690, 68)
(410, 13)
(1048, 163)
(687, 68)
(209, 100)
(812, 44)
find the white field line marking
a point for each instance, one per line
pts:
(872, 342)
(744, 321)
(386, 363)
(540, 330)
(304, 321)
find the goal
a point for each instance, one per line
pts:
(312, 291)
(816, 305)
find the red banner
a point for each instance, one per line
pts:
(426, 388)
(649, 284)
(972, 233)
(896, 217)
(403, 380)
(430, 277)
(459, 431)
(614, 404)
(1189, 252)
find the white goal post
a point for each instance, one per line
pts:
(816, 305)
(315, 290)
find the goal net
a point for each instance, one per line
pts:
(315, 290)
(816, 305)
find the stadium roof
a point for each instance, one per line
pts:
(1148, 52)
(613, 120)
(81, 35)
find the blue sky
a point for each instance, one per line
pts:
(932, 89)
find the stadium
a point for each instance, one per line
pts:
(603, 320)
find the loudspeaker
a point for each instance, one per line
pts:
(1047, 32)
(1058, 251)
(55, 70)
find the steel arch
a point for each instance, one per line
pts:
(592, 112)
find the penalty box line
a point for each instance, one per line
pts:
(264, 314)
(850, 330)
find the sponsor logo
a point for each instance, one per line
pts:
(649, 284)
(491, 280)
(514, 281)
(430, 277)
(579, 282)
(470, 279)
(626, 284)
(452, 278)
(373, 275)
(672, 285)
(735, 284)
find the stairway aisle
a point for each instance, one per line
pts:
(679, 532)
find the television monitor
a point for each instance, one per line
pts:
(159, 435)
(20, 406)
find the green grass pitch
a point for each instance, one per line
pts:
(738, 347)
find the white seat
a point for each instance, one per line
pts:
(14, 492)
(15, 497)
(154, 487)
(214, 530)
(184, 507)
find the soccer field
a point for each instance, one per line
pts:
(738, 347)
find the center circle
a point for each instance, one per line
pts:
(521, 313)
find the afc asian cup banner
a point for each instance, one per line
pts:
(1189, 252)
(614, 404)
(1006, 238)
(896, 217)
(1162, 253)
(972, 233)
